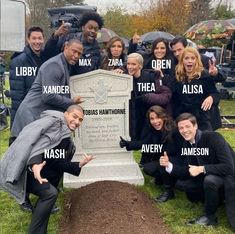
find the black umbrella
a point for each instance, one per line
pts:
(152, 36)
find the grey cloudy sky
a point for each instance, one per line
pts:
(102, 5)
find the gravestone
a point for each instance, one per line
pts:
(106, 107)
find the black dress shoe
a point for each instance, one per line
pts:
(55, 209)
(27, 207)
(165, 196)
(204, 221)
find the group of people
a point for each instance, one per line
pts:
(167, 82)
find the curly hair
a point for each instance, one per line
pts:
(181, 75)
(91, 16)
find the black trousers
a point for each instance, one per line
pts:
(159, 173)
(209, 188)
(47, 195)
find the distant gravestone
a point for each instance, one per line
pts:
(106, 106)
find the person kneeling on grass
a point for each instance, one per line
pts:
(205, 170)
(33, 171)
(161, 136)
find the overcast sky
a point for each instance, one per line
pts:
(105, 4)
(128, 4)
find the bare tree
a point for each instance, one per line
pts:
(200, 10)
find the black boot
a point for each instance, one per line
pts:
(27, 206)
(165, 196)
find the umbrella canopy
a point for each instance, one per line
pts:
(152, 36)
(232, 21)
(210, 29)
(105, 34)
(126, 41)
(191, 43)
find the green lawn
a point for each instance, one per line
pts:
(175, 212)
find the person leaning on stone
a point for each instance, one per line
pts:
(205, 170)
(90, 22)
(148, 90)
(24, 68)
(161, 136)
(50, 91)
(32, 166)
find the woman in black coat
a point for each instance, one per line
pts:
(160, 59)
(195, 88)
(161, 137)
(147, 91)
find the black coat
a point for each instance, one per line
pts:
(91, 51)
(171, 142)
(168, 72)
(191, 101)
(141, 101)
(214, 111)
(220, 162)
(55, 167)
(20, 85)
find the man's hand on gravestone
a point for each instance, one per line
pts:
(123, 143)
(77, 100)
(36, 168)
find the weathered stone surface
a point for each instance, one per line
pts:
(106, 106)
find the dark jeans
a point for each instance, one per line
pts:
(209, 188)
(47, 195)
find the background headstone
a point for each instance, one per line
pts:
(106, 106)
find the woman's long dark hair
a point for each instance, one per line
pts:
(168, 123)
(166, 43)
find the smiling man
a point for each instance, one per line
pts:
(24, 68)
(207, 176)
(44, 94)
(32, 168)
(91, 23)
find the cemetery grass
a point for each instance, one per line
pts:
(174, 212)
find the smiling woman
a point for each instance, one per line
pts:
(158, 139)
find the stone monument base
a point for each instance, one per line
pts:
(126, 170)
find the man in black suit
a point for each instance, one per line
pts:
(205, 169)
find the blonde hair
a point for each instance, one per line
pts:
(181, 74)
(138, 57)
